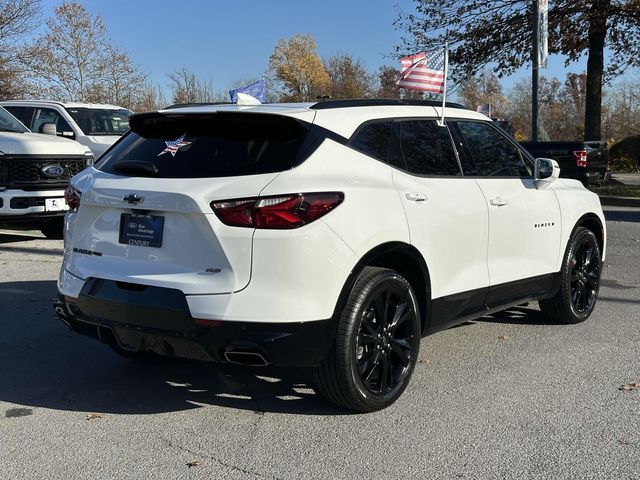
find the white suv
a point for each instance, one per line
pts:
(329, 235)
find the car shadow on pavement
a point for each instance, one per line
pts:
(11, 238)
(622, 215)
(44, 365)
(35, 250)
(520, 315)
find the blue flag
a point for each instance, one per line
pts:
(256, 90)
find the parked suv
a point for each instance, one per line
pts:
(34, 171)
(95, 125)
(329, 235)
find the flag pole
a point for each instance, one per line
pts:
(446, 72)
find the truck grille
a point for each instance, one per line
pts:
(26, 172)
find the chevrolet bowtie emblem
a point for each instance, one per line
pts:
(133, 198)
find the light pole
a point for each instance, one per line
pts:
(534, 70)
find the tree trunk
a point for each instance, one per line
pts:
(595, 70)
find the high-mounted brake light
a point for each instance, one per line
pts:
(276, 212)
(72, 197)
(581, 158)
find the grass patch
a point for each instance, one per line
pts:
(617, 190)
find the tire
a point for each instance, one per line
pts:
(376, 345)
(53, 229)
(579, 280)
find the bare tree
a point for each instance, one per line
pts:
(622, 110)
(122, 80)
(150, 97)
(67, 59)
(387, 78)
(75, 60)
(561, 108)
(483, 89)
(186, 87)
(348, 77)
(18, 18)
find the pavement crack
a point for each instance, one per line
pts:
(220, 462)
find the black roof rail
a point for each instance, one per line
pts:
(196, 104)
(373, 102)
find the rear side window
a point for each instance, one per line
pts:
(375, 139)
(222, 144)
(427, 148)
(491, 153)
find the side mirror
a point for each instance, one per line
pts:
(546, 171)
(48, 129)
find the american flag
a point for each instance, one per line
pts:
(174, 145)
(423, 71)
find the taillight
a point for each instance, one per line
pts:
(581, 158)
(72, 197)
(276, 212)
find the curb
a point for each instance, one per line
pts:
(620, 201)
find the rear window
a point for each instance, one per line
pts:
(222, 144)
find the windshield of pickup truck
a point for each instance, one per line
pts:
(9, 123)
(101, 121)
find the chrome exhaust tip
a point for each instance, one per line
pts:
(253, 359)
(62, 315)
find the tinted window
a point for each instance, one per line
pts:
(9, 123)
(212, 145)
(376, 140)
(491, 153)
(48, 115)
(427, 148)
(24, 114)
(100, 121)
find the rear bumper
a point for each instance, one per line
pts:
(595, 176)
(157, 320)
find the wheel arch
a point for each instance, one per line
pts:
(403, 258)
(592, 222)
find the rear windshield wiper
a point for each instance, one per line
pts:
(135, 167)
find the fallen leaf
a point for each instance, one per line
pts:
(91, 416)
(194, 463)
(503, 337)
(627, 387)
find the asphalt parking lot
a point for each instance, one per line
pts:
(507, 396)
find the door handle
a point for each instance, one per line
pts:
(415, 196)
(499, 202)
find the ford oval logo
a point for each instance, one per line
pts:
(52, 171)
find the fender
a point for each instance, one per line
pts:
(399, 256)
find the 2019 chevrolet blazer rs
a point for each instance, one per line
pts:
(330, 236)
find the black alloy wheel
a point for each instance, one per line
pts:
(585, 276)
(579, 280)
(376, 346)
(384, 348)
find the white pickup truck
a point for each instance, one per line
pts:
(95, 125)
(35, 169)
